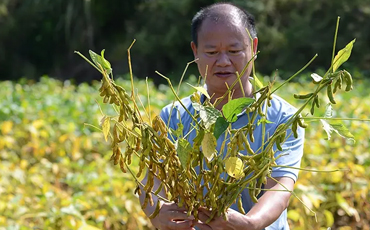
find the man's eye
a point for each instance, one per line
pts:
(211, 52)
(235, 51)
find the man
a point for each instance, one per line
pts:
(222, 45)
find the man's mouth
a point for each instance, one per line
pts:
(224, 74)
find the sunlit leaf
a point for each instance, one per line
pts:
(199, 137)
(179, 131)
(195, 97)
(343, 204)
(263, 120)
(220, 127)
(197, 106)
(201, 89)
(106, 65)
(234, 167)
(234, 107)
(307, 201)
(316, 199)
(105, 124)
(329, 111)
(256, 82)
(71, 210)
(100, 61)
(209, 145)
(338, 127)
(209, 115)
(183, 149)
(343, 55)
(6, 127)
(88, 227)
(329, 218)
(95, 58)
(316, 77)
(294, 215)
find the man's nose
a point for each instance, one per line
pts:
(223, 59)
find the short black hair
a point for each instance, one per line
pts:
(211, 11)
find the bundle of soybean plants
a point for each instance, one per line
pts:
(197, 175)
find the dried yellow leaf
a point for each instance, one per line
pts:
(209, 145)
(234, 167)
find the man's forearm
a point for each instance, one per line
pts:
(271, 204)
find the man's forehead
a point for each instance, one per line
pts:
(225, 13)
(211, 46)
(210, 25)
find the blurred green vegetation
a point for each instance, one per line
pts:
(39, 37)
(56, 174)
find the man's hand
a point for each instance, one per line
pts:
(171, 217)
(235, 221)
(265, 212)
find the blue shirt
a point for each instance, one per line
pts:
(279, 112)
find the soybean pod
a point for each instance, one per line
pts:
(240, 205)
(294, 128)
(305, 96)
(348, 79)
(156, 210)
(329, 92)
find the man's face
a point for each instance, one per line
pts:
(224, 48)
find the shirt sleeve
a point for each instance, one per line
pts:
(290, 156)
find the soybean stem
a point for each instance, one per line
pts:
(334, 118)
(130, 68)
(81, 55)
(177, 97)
(304, 67)
(335, 40)
(309, 170)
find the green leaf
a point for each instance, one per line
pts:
(343, 55)
(343, 203)
(183, 149)
(105, 124)
(234, 107)
(179, 131)
(294, 215)
(88, 227)
(100, 61)
(329, 218)
(329, 111)
(197, 141)
(338, 127)
(263, 120)
(202, 90)
(256, 82)
(234, 167)
(209, 115)
(106, 65)
(209, 144)
(195, 98)
(220, 127)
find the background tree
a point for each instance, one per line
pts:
(39, 37)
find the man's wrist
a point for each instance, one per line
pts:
(250, 222)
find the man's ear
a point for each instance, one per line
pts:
(255, 44)
(194, 48)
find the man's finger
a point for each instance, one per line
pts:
(206, 211)
(203, 217)
(179, 216)
(202, 226)
(175, 207)
(181, 225)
